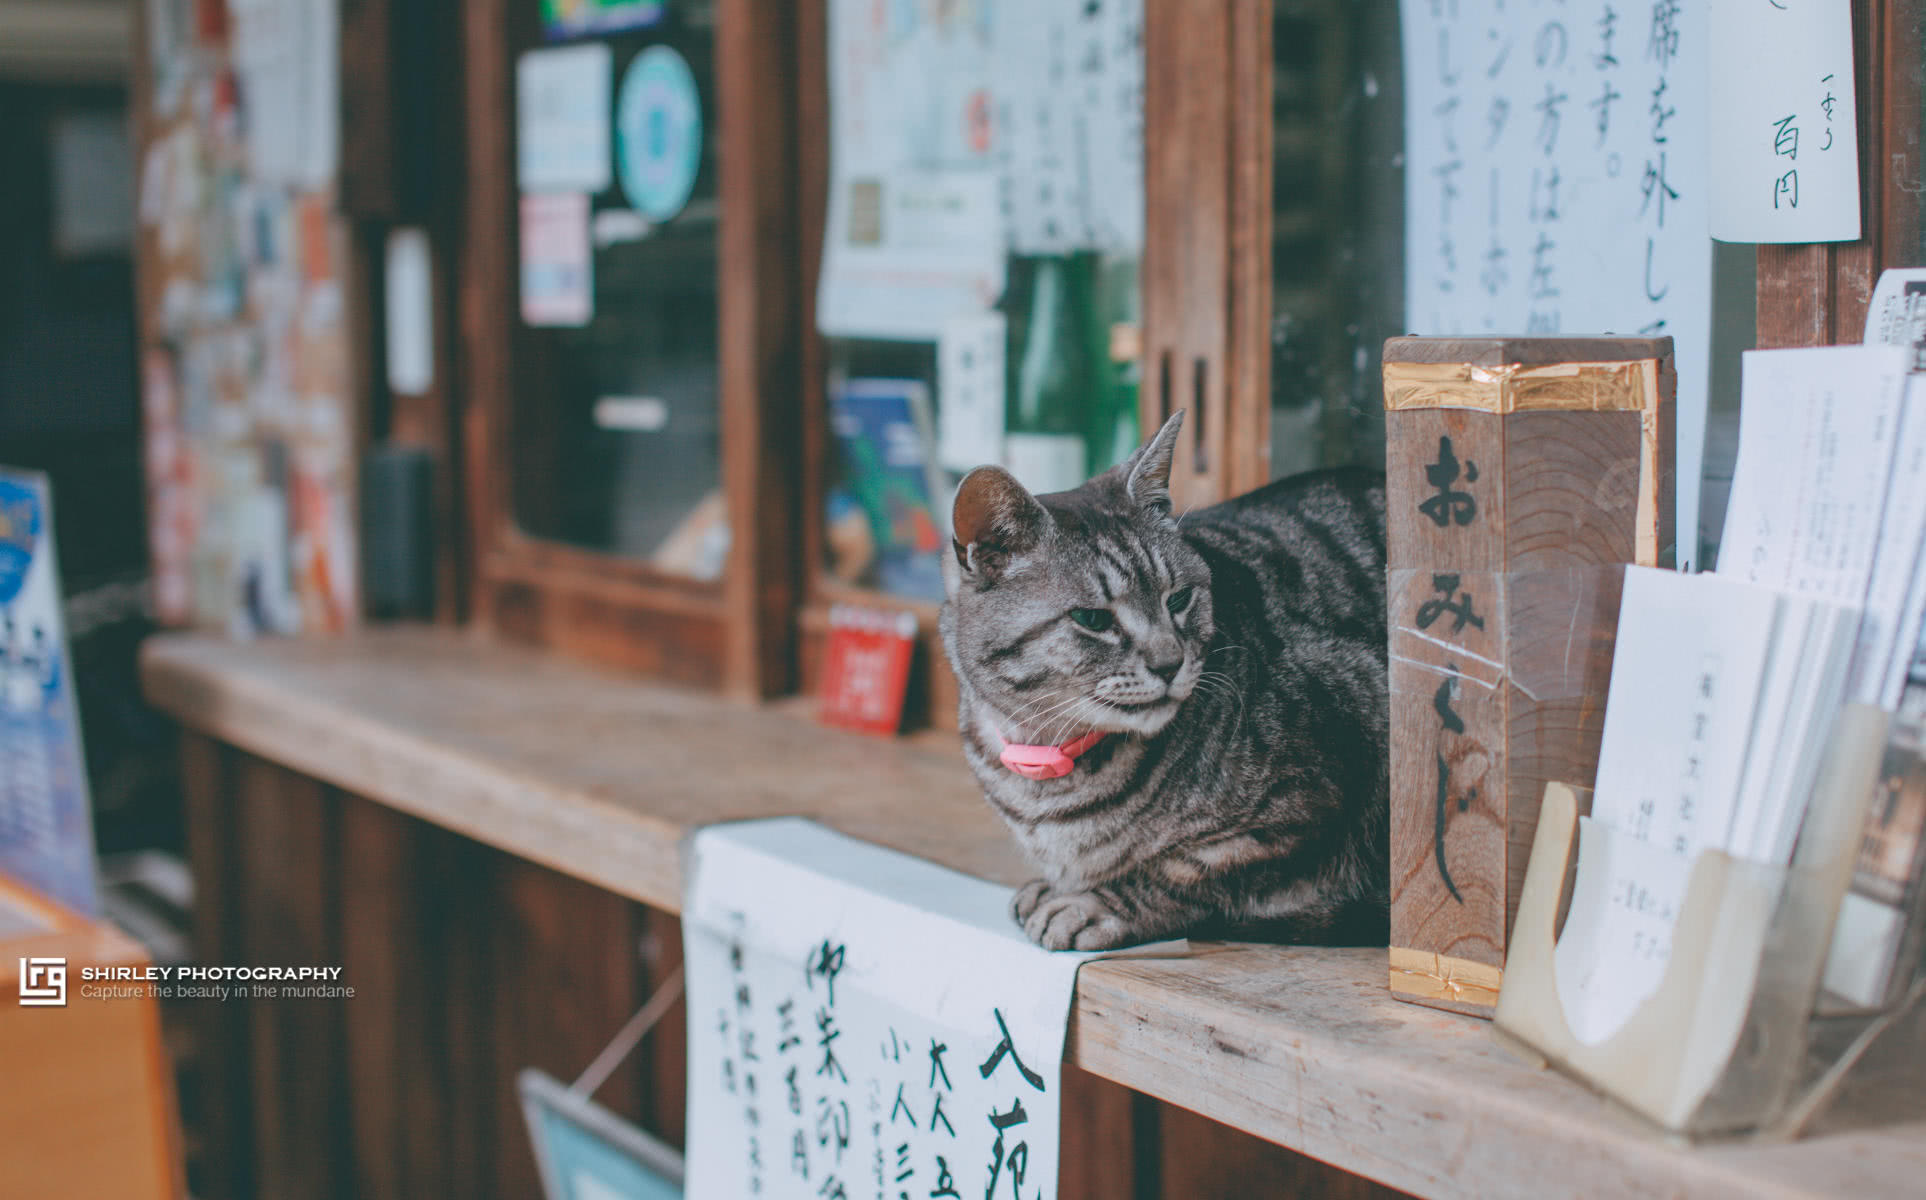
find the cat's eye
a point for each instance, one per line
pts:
(1095, 619)
(1179, 600)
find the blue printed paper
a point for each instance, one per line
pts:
(46, 817)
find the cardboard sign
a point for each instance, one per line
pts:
(866, 669)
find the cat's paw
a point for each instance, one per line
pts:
(1068, 920)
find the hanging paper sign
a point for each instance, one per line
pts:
(46, 816)
(1555, 184)
(562, 119)
(558, 284)
(864, 1023)
(914, 235)
(658, 132)
(1784, 138)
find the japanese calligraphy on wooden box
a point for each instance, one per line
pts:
(1522, 474)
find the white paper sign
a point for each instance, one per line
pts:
(1070, 117)
(914, 234)
(970, 391)
(286, 54)
(862, 1023)
(1554, 183)
(562, 119)
(409, 311)
(558, 280)
(1784, 144)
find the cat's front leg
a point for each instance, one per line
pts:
(1121, 912)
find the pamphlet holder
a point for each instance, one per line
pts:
(1730, 1042)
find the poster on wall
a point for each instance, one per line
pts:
(915, 228)
(46, 815)
(962, 133)
(246, 390)
(1556, 183)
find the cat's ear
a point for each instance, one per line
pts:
(995, 517)
(1148, 480)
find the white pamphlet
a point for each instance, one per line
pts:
(1617, 938)
(1897, 314)
(1815, 456)
(1688, 672)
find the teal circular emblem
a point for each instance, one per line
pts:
(658, 132)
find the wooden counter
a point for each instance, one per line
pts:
(600, 777)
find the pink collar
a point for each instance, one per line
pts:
(1046, 762)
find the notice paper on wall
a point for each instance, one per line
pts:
(1784, 144)
(864, 1023)
(1555, 184)
(562, 119)
(915, 232)
(558, 280)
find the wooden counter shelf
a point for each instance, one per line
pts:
(600, 777)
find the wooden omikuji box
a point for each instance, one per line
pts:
(1522, 475)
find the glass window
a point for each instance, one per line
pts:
(1337, 227)
(980, 297)
(616, 439)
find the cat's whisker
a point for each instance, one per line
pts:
(1040, 719)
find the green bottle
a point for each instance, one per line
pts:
(1114, 431)
(1054, 374)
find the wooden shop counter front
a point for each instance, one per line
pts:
(327, 781)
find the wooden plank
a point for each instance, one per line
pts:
(1303, 1047)
(564, 968)
(1186, 266)
(665, 1052)
(757, 77)
(1247, 354)
(287, 855)
(225, 1168)
(591, 773)
(1098, 1156)
(393, 952)
(1203, 1160)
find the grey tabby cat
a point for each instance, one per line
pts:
(1184, 722)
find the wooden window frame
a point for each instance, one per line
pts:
(735, 633)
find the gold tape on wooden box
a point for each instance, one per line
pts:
(1631, 386)
(1436, 976)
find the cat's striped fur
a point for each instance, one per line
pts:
(1244, 787)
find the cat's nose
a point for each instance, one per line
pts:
(1167, 671)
